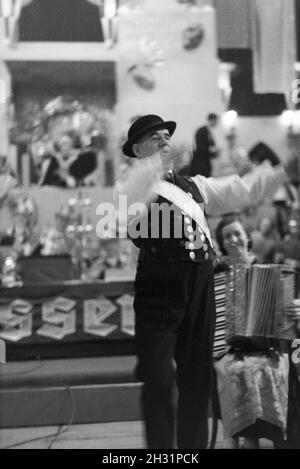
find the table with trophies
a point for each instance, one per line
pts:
(64, 292)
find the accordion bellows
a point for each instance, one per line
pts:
(257, 298)
(220, 297)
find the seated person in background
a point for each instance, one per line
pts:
(85, 167)
(287, 248)
(55, 167)
(275, 240)
(253, 376)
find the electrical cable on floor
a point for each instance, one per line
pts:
(55, 435)
(60, 429)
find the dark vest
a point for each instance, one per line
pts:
(159, 247)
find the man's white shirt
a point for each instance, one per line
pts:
(231, 193)
(221, 195)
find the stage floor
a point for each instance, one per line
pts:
(110, 435)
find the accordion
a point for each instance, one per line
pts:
(254, 302)
(220, 297)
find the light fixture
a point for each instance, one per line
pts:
(109, 22)
(10, 11)
(229, 121)
(226, 70)
(9, 8)
(108, 10)
(290, 119)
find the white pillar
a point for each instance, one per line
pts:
(5, 93)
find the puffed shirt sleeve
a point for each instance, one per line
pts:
(232, 193)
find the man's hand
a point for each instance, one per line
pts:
(138, 181)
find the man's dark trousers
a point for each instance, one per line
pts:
(175, 319)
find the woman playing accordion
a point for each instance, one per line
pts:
(254, 374)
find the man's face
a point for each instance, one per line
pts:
(154, 142)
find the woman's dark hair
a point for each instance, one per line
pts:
(227, 220)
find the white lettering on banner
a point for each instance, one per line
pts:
(94, 313)
(59, 318)
(16, 320)
(127, 314)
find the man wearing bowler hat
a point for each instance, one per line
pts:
(174, 286)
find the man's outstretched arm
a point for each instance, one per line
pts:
(232, 193)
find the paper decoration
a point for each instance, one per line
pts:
(143, 76)
(193, 36)
(150, 55)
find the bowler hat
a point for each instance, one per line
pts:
(141, 127)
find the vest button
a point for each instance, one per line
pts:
(187, 220)
(191, 246)
(192, 255)
(206, 256)
(191, 237)
(190, 229)
(205, 247)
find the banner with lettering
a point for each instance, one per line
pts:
(67, 320)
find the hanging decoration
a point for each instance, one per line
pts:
(193, 36)
(143, 76)
(150, 55)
